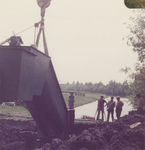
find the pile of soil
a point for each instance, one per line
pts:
(106, 136)
(17, 137)
(100, 136)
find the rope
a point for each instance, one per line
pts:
(35, 34)
(24, 30)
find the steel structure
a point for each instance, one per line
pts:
(27, 75)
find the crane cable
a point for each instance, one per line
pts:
(24, 30)
(28, 29)
(35, 33)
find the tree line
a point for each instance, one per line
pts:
(112, 88)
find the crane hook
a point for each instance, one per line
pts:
(43, 4)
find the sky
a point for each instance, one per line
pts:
(84, 38)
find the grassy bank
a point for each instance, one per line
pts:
(82, 100)
(21, 113)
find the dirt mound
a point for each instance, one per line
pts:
(123, 135)
(15, 138)
(106, 136)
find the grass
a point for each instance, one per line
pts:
(10, 109)
(14, 112)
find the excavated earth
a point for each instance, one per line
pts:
(21, 135)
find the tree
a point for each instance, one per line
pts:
(136, 39)
(77, 87)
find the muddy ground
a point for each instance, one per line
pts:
(21, 135)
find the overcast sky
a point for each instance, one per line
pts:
(84, 37)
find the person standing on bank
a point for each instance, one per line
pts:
(71, 100)
(140, 104)
(101, 107)
(110, 109)
(119, 106)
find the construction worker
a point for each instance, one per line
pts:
(140, 104)
(71, 100)
(101, 107)
(119, 106)
(110, 109)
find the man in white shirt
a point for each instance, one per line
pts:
(110, 109)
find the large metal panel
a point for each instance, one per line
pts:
(28, 75)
